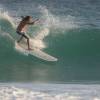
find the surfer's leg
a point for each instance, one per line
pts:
(27, 41)
(20, 39)
(23, 35)
(20, 33)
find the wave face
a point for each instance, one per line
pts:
(49, 92)
(68, 30)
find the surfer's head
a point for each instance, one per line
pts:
(27, 18)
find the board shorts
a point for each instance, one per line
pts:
(22, 34)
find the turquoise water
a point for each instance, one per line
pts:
(73, 37)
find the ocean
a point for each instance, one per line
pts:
(71, 34)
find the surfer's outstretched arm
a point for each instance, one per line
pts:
(31, 23)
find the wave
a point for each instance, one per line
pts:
(49, 22)
(49, 92)
(75, 49)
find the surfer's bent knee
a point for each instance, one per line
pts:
(23, 34)
(20, 33)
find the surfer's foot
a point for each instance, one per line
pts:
(30, 49)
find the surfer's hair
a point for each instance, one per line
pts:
(27, 18)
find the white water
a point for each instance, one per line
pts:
(57, 22)
(49, 92)
(5, 15)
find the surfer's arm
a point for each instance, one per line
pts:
(33, 22)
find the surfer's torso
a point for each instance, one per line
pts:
(23, 26)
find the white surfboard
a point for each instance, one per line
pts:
(35, 52)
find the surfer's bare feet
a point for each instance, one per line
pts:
(30, 49)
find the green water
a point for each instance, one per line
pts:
(78, 52)
(74, 38)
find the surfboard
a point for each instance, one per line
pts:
(34, 52)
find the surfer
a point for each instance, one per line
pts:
(22, 28)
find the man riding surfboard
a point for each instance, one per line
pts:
(23, 26)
